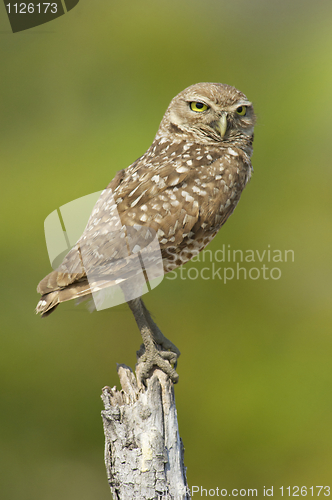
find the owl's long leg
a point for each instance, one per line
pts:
(158, 336)
(151, 356)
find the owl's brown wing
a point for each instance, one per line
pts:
(71, 269)
(199, 203)
(206, 199)
(102, 241)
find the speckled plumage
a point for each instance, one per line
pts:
(184, 187)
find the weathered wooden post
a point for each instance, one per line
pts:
(143, 448)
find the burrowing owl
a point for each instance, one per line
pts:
(184, 187)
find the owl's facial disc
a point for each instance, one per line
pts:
(210, 113)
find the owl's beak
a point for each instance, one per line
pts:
(221, 125)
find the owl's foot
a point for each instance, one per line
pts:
(150, 357)
(157, 350)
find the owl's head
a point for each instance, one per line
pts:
(210, 113)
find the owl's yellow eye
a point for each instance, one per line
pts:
(198, 107)
(241, 110)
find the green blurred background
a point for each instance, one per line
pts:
(82, 97)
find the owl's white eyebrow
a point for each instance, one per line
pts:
(243, 103)
(198, 99)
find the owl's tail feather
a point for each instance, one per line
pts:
(49, 301)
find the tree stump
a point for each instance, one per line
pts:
(143, 448)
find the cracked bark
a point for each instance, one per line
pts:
(143, 448)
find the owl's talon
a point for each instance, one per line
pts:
(153, 358)
(169, 355)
